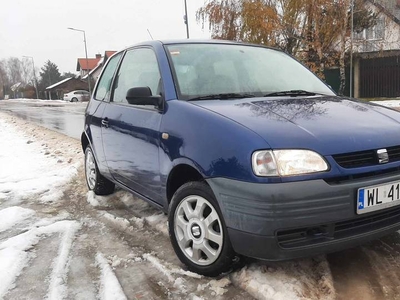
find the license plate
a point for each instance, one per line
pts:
(378, 197)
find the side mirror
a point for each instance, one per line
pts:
(143, 96)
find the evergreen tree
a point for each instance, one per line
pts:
(66, 75)
(49, 75)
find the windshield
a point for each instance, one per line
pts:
(214, 69)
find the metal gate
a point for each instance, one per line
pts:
(380, 77)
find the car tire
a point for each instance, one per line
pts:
(94, 180)
(203, 246)
(74, 100)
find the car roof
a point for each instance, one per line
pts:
(194, 41)
(155, 43)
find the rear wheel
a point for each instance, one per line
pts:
(74, 99)
(198, 232)
(95, 181)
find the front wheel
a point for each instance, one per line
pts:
(198, 232)
(95, 181)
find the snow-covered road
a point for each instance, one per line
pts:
(57, 241)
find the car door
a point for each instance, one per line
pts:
(131, 136)
(95, 109)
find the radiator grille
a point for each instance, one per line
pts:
(365, 158)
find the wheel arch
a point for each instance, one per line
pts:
(84, 141)
(179, 175)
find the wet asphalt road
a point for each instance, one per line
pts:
(63, 117)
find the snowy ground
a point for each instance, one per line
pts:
(58, 241)
(388, 103)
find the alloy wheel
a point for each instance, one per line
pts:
(198, 230)
(90, 170)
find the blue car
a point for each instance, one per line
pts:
(246, 150)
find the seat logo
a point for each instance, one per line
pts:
(196, 231)
(383, 156)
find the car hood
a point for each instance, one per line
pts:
(328, 125)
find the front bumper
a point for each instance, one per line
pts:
(290, 220)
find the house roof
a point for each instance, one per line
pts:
(108, 54)
(87, 64)
(99, 65)
(389, 7)
(58, 83)
(15, 87)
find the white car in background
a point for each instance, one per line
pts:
(77, 96)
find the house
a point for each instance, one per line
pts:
(108, 54)
(376, 53)
(57, 90)
(17, 90)
(385, 35)
(95, 65)
(84, 66)
(95, 72)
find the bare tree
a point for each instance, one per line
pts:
(27, 72)
(14, 70)
(4, 80)
(316, 31)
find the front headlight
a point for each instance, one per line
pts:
(287, 162)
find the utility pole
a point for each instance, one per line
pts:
(87, 60)
(186, 20)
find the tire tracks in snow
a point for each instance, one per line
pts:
(300, 279)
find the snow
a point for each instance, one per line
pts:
(27, 168)
(29, 171)
(110, 288)
(159, 266)
(122, 223)
(159, 222)
(167, 270)
(388, 103)
(217, 286)
(58, 83)
(96, 201)
(286, 280)
(11, 216)
(37, 100)
(267, 285)
(58, 289)
(15, 255)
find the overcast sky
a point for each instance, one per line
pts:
(38, 28)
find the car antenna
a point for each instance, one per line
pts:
(150, 34)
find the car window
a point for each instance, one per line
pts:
(139, 68)
(208, 69)
(104, 84)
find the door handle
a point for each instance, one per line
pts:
(104, 122)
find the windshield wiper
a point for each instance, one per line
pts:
(291, 93)
(225, 96)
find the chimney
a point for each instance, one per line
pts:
(99, 55)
